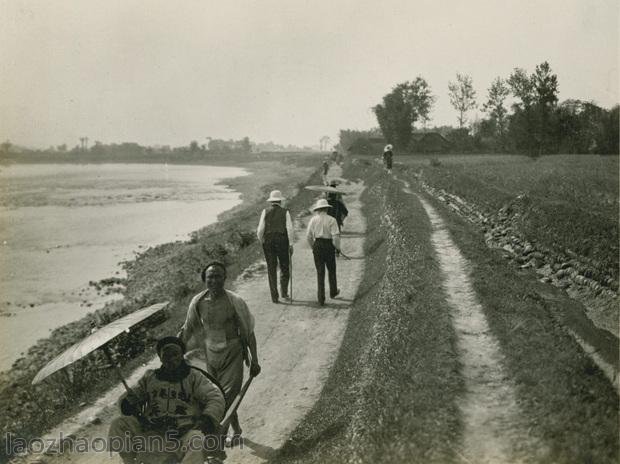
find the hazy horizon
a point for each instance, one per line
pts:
(161, 73)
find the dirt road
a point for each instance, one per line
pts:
(297, 343)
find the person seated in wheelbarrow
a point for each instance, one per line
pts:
(172, 415)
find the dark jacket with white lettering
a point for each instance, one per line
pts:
(178, 397)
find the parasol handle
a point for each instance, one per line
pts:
(290, 263)
(117, 369)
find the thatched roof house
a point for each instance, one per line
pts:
(430, 142)
(367, 146)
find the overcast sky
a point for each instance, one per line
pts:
(168, 72)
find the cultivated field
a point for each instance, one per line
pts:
(571, 202)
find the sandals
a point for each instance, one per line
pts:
(232, 440)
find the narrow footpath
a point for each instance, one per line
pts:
(297, 344)
(494, 428)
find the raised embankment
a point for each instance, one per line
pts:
(399, 390)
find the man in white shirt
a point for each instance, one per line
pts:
(323, 236)
(275, 231)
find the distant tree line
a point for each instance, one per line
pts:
(534, 124)
(131, 150)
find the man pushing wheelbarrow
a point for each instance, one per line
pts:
(219, 322)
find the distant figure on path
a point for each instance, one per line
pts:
(219, 322)
(175, 399)
(275, 231)
(338, 209)
(325, 167)
(324, 238)
(387, 158)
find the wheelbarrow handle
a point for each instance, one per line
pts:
(235, 404)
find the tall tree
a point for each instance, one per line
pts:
(407, 103)
(498, 92)
(531, 123)
(246, 146)
(462, 96)
(494, 106)
(419, 96)
(609, 139)
(522, 88)
(546, 87)
(521, 126)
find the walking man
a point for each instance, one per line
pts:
(387, 158)
(275, 231)
(338, 209)
(324, 238)
(220, 322)
(325, 170)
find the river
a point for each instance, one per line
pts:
(63, 225)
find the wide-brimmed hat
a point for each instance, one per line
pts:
(275, 195)
(388, 147)
(321, 204)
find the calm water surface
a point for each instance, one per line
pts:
(63, 225)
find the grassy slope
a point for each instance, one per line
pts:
(168, 272)
(567, 399)
(391, 395)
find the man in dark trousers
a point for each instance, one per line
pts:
(387, 158)
(338, 209)
(324, 238)
(275, 232)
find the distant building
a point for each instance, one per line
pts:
(430, 142)
(367, 146)
(421, 142)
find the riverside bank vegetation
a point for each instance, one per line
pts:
(168, 272)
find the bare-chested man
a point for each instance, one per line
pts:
(219, 322)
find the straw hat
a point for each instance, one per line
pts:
(321, 204)
(388, 147)
(275, 195)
